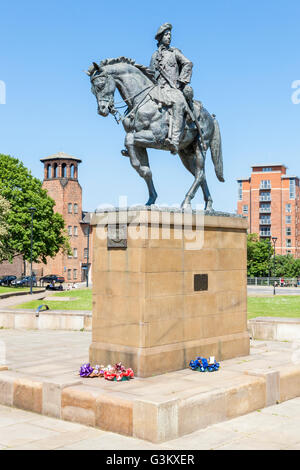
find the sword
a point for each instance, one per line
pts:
(189, 110)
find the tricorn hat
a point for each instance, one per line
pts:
(162, 29)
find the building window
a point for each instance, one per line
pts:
(240, 190)
(288, 208)
(265, 196)
(64, 170)
(265, 207)
(75, 230)
(69, 274)
(70, 208)
(86, 231)
(72, 171)
(265, 220)
(292, 189)
(288, 219)
(85, 253)
(75, 208)
(245, 209)
(74, 273)
(265, 184)
(70, 230)
(267, 169)
(75, 252)
(48, 172)
(288, 242)
(288, 252)
(288, 231)
(265, 232)
(55, 170)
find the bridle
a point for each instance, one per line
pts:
(113, 109)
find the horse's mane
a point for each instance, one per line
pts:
(125, 60)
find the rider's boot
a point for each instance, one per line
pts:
(177, 128)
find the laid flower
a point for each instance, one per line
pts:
(203, 365)
(85, 370)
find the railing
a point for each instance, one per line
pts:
(264, 234)
(265, 209)
(265, 198)
(269, 281)
(265, 221)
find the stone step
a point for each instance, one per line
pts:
(157, 408)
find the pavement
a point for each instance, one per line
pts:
(267, 291)
(20, 299)
(49, 353)
(274, 428)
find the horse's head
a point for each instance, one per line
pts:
(103, 87)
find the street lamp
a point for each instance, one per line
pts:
(88, 255)
(32, 210)
(274, 240)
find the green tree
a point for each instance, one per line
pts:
(259, 254)
(22, 191)
(4, 211)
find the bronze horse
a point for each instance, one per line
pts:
(147, 123)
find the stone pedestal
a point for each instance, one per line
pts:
(167, 289)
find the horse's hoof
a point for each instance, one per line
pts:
(125, 153)
(186, 205)
(208, 206)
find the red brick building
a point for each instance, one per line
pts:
(61, 183)
(270, 200)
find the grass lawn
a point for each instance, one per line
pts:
(83, 301)
(4, 290)
(276, 306)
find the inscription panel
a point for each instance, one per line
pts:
(117, 236)
(200, 282)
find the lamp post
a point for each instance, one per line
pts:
(88, 255)
(32, 210)
(274, 240)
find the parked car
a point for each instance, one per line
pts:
(7, 280)
(24, 281)
(52, 277)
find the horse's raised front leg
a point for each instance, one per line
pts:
(140, 162)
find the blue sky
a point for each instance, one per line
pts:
(245, 55)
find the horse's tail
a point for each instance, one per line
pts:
(216, 151)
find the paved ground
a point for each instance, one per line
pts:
(39, 352)
(267, 291)
(20, 299)
(273, 428)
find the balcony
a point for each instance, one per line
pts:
(265, 233)
(265, 221)
(264, 210)
(265, 197)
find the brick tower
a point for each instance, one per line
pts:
(61, 183)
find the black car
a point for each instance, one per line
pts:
(52, 278)
(7, 280)
(24, 281)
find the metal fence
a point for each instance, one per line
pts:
(269, 281)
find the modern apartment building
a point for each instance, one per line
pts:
(270, 200)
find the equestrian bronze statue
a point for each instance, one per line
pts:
(161, 113)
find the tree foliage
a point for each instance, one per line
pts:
(4, 233)
(23, 191)
(261, 262)
(259, 254)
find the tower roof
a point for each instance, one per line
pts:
(60, 156)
